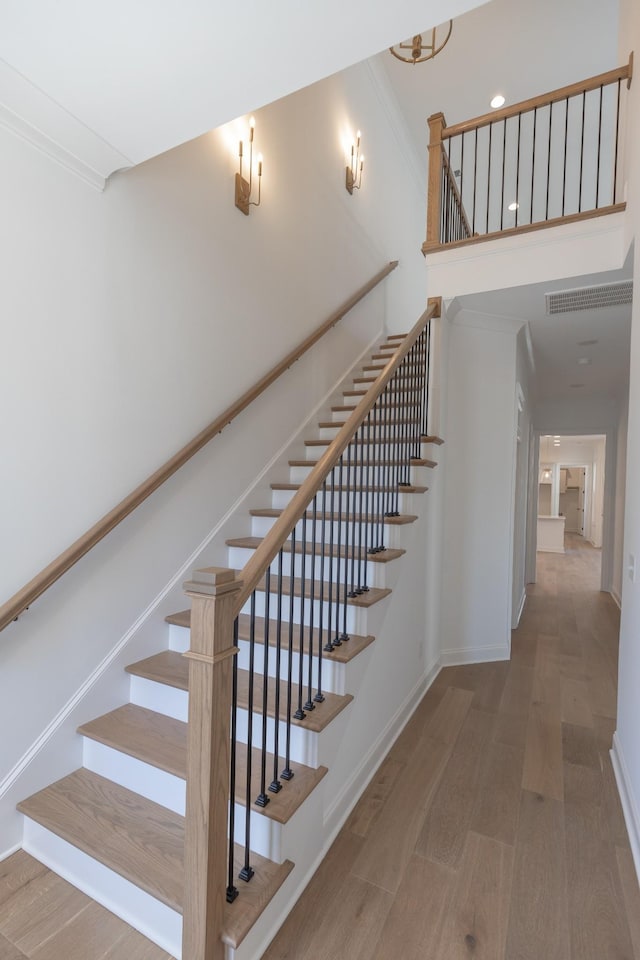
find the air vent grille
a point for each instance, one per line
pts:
(589, 298)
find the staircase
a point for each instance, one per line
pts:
(116, 826)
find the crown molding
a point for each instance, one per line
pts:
(30, 114)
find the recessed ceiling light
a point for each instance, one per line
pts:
(514, 205)
(575, 385)
(583, 361)
(587, 343)
(498, 101)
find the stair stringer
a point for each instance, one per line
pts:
(57, 750)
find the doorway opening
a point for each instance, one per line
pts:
(571, 480)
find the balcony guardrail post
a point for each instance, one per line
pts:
(437, 124)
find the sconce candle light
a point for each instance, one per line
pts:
(244, 187)
(354, 167)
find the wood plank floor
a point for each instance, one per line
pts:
(493, 828)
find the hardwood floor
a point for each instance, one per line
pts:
(493, 828)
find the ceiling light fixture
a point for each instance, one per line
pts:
(421, 49)
(498, 101)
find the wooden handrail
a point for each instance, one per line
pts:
(10, 610)
(572, 90)
(257, 565)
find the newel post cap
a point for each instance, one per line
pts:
(212, 582)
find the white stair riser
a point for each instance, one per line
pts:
(333, 680)
(367, 502)
(260, 527)
(343, 415)
(170, 791)
(152, 918)
(163, 699)
(239, 556)
(384, 425)
(356, 617)
(417, 475)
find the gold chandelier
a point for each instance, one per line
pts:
(420, 48)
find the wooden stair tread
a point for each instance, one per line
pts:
(162, 742)
(144, 843)
(380, 439)
(401, 488)
(252, 543)
(342, 654)
(438, 440)
(338, 424)
(137, 838)
(368, 599)
(354, 393)
(397, 336)
(398, 521)
(172, 668)
(364, 379)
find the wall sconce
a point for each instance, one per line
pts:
(243, 187)
(354, 167)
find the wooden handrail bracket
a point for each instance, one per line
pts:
(13, 607)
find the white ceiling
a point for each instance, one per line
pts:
(113, 85)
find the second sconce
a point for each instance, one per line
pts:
(244, 187)
(354, 167)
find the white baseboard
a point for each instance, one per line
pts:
(628, 801)
(465, 655)
(345, 801)
(617, 599)
(523, 600)
(10, 851)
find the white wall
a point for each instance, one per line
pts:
(131, 318)
(480, 484)
(621, 464)
(627, 737)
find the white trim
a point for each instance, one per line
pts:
(342, 805)
(10, 851)
(627, 799)
(617, 599)
(523, 600)
(464, 655)
(185, 571)
(87, 155)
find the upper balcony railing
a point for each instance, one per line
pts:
(541, 162)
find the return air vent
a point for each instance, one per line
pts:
(589, 298)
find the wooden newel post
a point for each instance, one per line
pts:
(434, 181)
(213, 593)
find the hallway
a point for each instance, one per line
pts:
(493, 828)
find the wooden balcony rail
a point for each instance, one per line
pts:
(13, 607)
(547, 160)
(325, 534)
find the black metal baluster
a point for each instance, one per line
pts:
(615, 161)
(395, 452)
(232, 890)
(262, 799)
(300, 714)
(350, 521)
(518, 167)
(275, 786)
(334, 640)
(368, 505)
(379, 472)
(566, 138)
(546, 209)
(342, 553)
(489, 175)
(475, 182)
(247, 871)
(362, 526)
(287, 773)
(504, 155)
(533, 161)
(309, 705)
(584, 97)
(462, 171)
(319, 697)
(598, 155)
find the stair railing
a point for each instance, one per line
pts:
(548, 160)
(294, 597)
(17, 604)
